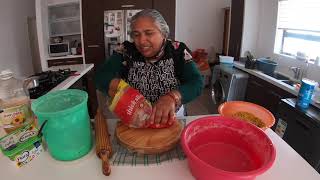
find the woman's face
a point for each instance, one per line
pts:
(147, 36)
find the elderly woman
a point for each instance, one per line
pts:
(161, 69)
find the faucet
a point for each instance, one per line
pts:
(297, 72)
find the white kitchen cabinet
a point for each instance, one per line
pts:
(64, 19)
(58, 18)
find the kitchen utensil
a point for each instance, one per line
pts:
(229, 108)
(266, 65)
(67, 132)
(103, 145)
(149, 141)
(222, 148)
(250, 62)
(31, 82)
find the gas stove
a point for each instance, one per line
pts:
(48, 80)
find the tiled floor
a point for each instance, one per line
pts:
(202, 105)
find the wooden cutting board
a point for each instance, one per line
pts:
(149, 141)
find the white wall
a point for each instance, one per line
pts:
(251, 23)
(200, 23)
(267, 28)
(15, 51)
(42, 31)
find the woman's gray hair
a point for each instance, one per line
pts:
(156, 16)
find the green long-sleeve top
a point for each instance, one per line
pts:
(174, 71)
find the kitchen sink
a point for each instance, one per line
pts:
(279, 76)
(290, 82)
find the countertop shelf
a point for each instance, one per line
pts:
(67, 19)
(311, 112)
(65, 57)
(66, 34)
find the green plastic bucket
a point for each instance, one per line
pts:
(67, 131)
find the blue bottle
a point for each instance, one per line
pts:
(305, 93)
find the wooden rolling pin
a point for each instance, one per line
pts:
(103, 147)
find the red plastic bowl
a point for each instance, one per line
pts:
(222, 148)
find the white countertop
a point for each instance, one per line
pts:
(289, 165)
(267, 78)
(81, 69)
(271, 80)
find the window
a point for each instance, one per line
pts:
(298, 29)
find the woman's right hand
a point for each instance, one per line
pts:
(163, 112)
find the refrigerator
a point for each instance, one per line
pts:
(117, 28)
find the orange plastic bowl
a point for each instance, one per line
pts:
(229, 108)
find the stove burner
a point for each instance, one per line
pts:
(48, 80)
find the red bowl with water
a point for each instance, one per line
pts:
(222, 148)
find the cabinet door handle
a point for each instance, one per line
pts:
(93, 46)
(127, 5)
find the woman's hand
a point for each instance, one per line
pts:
(163, 111)
(113, 87)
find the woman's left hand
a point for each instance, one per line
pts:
(163, 111)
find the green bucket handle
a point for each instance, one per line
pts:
(41, 128)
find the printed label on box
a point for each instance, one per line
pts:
(28, 155)
(281, 127)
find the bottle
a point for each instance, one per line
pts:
(305, 93)
(15, 106)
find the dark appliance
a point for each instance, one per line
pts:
(48, 80)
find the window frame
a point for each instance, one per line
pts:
(280, 39)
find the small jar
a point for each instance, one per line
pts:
(305, 93)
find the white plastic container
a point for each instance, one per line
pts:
(226, 59)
